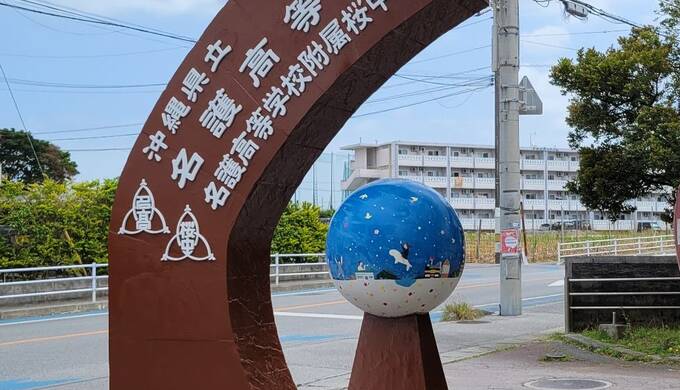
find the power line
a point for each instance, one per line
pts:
(21, 118)
(548, 45)
(449, 55)
(100, 150)
(94, 137)
(50, 84)
(91, 128)
(96, 21)
(421, 102)
(93, 56)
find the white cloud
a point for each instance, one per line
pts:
(164, 7)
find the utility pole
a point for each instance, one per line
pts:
(506, 68)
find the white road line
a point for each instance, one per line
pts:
(315, 315)
(557, 283)
(304, 292)
(54, 319)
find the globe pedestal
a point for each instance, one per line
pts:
(397, 353)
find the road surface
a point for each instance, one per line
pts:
(318, 330)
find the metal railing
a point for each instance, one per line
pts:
(652, 245)
(27, 276)
(92, 277)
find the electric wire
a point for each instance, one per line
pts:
(99, 22)
(23, 123)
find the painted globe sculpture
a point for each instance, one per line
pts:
(395, 248)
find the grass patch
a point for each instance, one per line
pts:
(663, 341)
(461, 311)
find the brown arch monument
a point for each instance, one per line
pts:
(250, 109)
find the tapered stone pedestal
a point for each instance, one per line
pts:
(397, 354)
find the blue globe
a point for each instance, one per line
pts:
(396, 247)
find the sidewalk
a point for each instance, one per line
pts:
(460, 341)
(505, 353)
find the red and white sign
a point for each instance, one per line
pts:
(510, 242)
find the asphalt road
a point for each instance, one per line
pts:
(318, 330)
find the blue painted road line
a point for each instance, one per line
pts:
(58, 317)
(304, 292)
(26, 384)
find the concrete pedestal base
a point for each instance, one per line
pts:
(397, 354)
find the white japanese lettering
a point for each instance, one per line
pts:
(296, 81)
(157, 143)
(334, 36)
(314, 58)
(260, 125)
(303, 14)
(216, 197)
(216, 54)
(229, 171)
(220, 114)
(244, 148)
(193, 84)
(355, 17)
(175, 110)
(275, 102)
(185, 168)
(260, 62)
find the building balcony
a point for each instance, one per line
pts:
(534, 204)
(412, 160)
(462, 162)
(485, 163)
(435, 161)
(485, 183)
(360, 177)
(649, 205)
(566, 205)
(463, 203)
(533, 184)
(473, 203)
(436, 181)
(556, 185)
(563, 165)
(532, 165)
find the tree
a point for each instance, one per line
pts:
(52, 223)
(19, 163)
(625, 117)
(300, 230)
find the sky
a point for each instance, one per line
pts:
(40, 48)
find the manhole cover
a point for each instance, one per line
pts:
(568, 384)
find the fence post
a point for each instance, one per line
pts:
(559, 253)
(616, 247)
(587, 248)
(276, 268)
(639, 245)
(94, 282)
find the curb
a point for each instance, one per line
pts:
(626, 354)
(44, 311)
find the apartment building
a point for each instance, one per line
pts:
(466, 176)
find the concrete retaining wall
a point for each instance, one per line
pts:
(65, 285)
(639, 293)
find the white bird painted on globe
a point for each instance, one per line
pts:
(399, 259)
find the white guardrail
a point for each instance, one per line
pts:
(634, 246)
(280, 265)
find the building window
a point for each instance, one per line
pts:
(403, 151)
(455, 154)
(430, 173)
(573, 158)
(403, 173)
(456, 174)
(485, 155)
